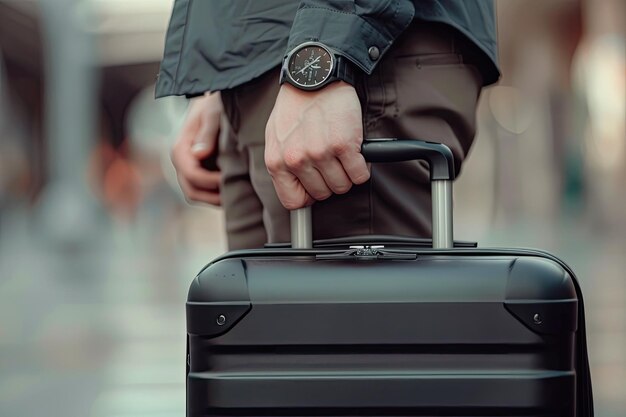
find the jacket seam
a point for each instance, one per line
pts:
(328, 9)
(396, 10)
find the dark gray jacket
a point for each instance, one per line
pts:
(219, 44)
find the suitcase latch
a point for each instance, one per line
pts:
(367, 253)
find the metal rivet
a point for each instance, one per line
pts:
(374, 53)
(221, 320)
(537, 319)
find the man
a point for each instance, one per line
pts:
(301, 84)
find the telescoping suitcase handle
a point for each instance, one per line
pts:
(441, 164)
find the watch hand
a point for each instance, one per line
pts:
(309, 64)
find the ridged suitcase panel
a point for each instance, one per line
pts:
(438, 335)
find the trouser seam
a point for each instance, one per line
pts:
(371, 201)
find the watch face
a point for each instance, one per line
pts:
(310, 66)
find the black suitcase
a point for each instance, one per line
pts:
(386, 326)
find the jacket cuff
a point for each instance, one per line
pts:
(363, 38)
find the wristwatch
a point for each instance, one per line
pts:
(312, 65)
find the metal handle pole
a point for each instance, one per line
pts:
(442, 214)
(441, 162)
(301, 228)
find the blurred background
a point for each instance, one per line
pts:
(98, 247)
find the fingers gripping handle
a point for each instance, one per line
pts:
(441, 163)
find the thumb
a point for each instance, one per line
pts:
(205, 141)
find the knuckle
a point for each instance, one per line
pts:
(323, 196)
(195, 183)
(342, 188)
(293, 201)
(362, 177)
(294, 159)
(318, 154)
(320, 195)
(340, 148)
(291, 205)
(272, 163)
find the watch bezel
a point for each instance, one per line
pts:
(299, 48)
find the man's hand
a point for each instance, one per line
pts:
(313, 144)
(198, 140)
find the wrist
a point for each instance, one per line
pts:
(306, 95)
(209, 103)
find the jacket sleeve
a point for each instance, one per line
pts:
(352, 27)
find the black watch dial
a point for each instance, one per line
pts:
(310, 65)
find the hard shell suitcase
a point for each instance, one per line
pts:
(386, 326)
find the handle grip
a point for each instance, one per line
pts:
(439, 156)
(441, 163)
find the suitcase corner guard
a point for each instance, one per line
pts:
(218, 298)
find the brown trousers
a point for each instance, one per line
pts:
(421, 89)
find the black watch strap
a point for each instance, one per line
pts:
(345, 70)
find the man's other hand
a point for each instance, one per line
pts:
(196, 141)
(313, 144)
